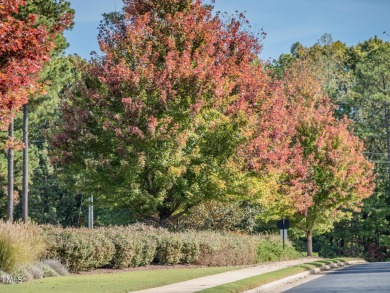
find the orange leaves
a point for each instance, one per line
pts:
(319, 161)
(24, 48)
(341, 177)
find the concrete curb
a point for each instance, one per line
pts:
(270, 286)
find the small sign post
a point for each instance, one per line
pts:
(283, 225)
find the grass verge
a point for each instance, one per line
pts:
(113, 282)
(256, 281)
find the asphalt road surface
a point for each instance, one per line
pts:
(370, 277)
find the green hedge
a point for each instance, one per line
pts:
(78, 249)
(140, 245)
(132, 248)
(271, 249)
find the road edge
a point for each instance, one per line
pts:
(290, 279)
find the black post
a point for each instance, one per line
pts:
(283, 233)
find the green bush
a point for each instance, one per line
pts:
(217, 249)
(271, 249)
(169, 249)
(140, 245)
(58, 267)
(47, 270)
(20, 245)
(190, 249)
(132, 249)
(146, 252)
(79, 249)
(35, 271)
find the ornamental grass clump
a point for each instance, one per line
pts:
(20, 245)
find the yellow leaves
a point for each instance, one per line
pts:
(197, 169)
(217, 183)
(174, 171)
(141, 158)
(262, 189)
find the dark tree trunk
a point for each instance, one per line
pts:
(10, 203)
(309, 235)
(163, 219)
(25, 165)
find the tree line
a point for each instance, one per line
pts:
(179, 119)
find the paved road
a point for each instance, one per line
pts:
(369, 277)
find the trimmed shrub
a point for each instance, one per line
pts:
(132, 248)
(218, 249)
(47, 271)
(56, 266)
(79, 249)
(20, 245)
(139, 245)
(27, 275)
(271, 249)
(145, 251)
(169, 249)
(190, 249)
(36, 271)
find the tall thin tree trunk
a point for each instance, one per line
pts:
(388, 146)
(25, 165)
(309, 235)
(10, 203)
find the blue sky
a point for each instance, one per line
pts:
(284, 21)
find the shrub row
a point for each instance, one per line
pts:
(139, 245)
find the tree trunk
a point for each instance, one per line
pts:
(309, 235)
(388, 147)
(163, 217)
(25, 165)
(10, 203)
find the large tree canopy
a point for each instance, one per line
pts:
(179, 110)
(338, 176)
(155, 122)
(356, 79)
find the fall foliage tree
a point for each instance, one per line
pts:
(338, 176)
(351, 78)
(24, 48)
(154, 124)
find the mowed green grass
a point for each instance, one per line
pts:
(112, 282)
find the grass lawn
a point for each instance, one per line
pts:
(114, 282)
(256, 281)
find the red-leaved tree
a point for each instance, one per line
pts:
(24, 48)
(336, 177)
(155, 123)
